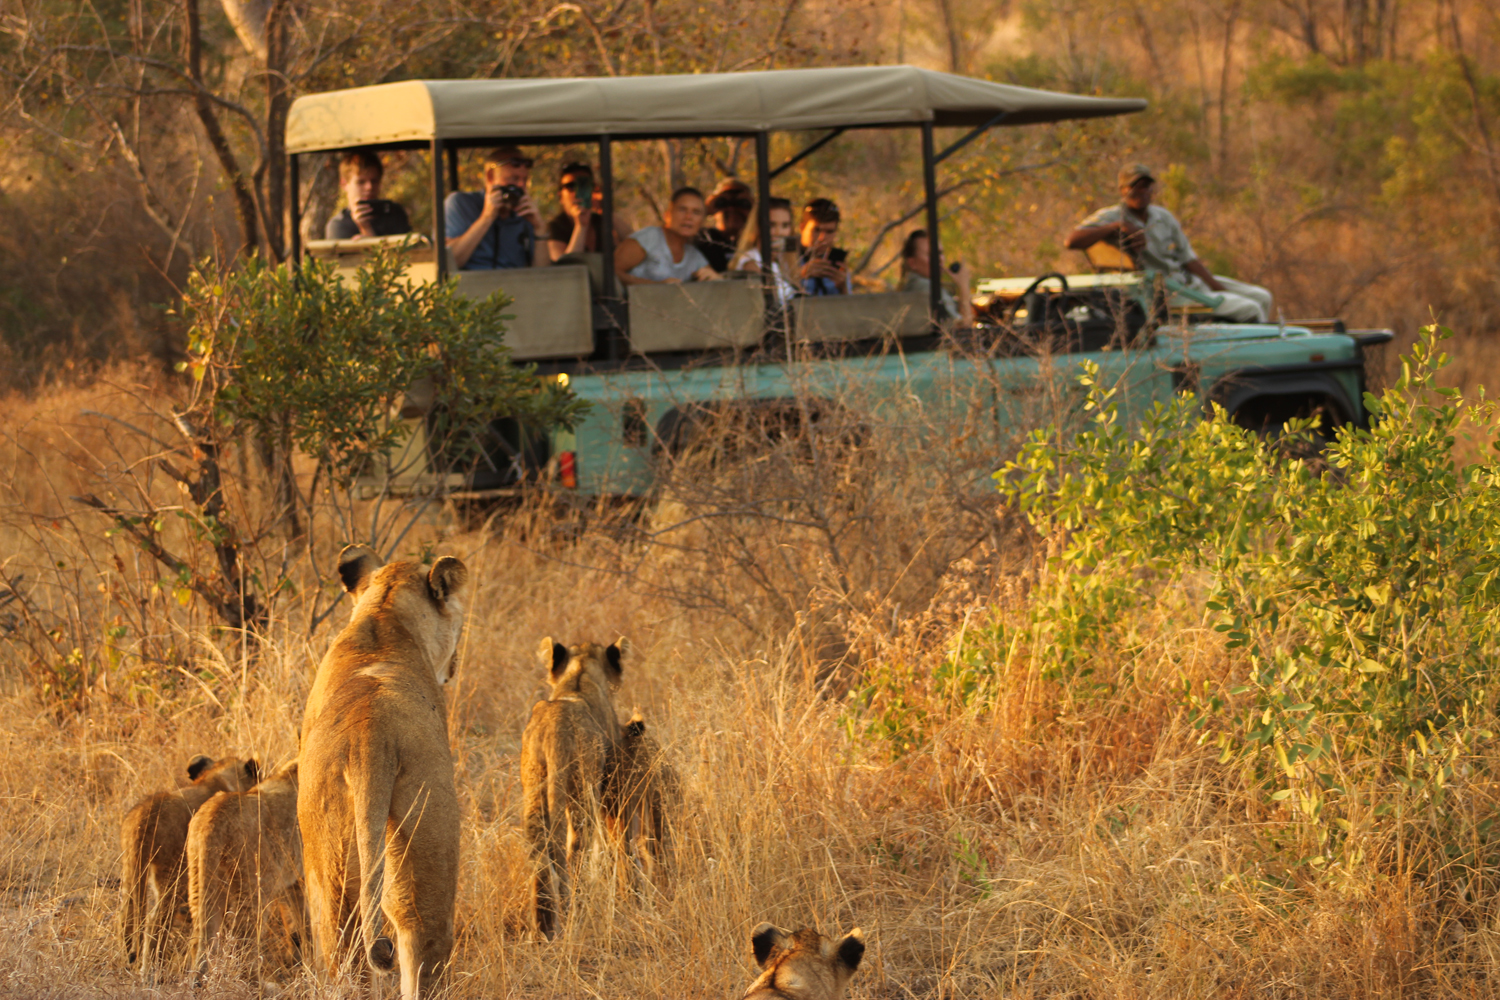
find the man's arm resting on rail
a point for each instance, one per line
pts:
(1083, 237)
(1195, 267)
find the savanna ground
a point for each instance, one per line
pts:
(863, 733)
(867, 677)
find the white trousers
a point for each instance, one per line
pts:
(1243, 302)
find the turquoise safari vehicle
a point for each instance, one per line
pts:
(662, 362)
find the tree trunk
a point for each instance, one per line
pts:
(278, 101)
(955, 39)
(1231, 16)
(248, 17)
(245, 209)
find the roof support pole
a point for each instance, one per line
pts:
(763, 227)
(810, 150)
(294, 209)
(616, 321)
(975, 134)
(934, 247)
(439, 229)
(607, 224)
(453, 168)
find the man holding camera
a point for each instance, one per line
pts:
(496, 227)
(368, 214)
(825, 267)
(730, 204)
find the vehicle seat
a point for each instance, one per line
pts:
(832, 318)
(551, 305)
(696, 316)
(1106, 258)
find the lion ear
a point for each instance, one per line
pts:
(767, 939)
(447, 579)
(196, 766)
(554, 657)
(851, 949)
(614, 654)
(356, 564)
(252, 772)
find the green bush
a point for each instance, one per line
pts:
(301, 356)
(1356, 593)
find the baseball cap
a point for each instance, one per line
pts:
(1132, 172)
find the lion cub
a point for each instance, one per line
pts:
(640, 798)
(804, 965)
(244, 855)
(153, 840)
(563, 754)
(378, 808)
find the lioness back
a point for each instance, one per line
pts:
(244, 858)
(153, 843)
(378, 809)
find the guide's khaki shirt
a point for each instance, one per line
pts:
(1167, 247)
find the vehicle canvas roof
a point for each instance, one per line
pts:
(417, 111)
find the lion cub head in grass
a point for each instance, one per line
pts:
(803, 965)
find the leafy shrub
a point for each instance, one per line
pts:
(296, 360)
(301, 354)
(1355, 593)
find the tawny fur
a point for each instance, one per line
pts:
(378, 810)
(244, 862)
(153, 843)
(562, 766)
(803, 965)
(641, 798)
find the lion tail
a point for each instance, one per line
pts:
(542, 822)
(133, 882)
(371, 811)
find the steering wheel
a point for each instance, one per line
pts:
(1038, 282)
(1024, 298)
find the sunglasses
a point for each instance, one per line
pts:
(577, 185)
(721, 203)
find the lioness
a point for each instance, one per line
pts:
(153, 839)
(641, 796)
(804, 965)
(562, 764)
(377, 809)
(244, 855)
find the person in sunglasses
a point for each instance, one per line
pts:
(731, 204)
(1153, 238)
(496, 227)
(579, 196)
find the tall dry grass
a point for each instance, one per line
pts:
(1046, 847)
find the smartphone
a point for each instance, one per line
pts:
(837, 255)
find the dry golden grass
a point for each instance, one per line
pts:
(1040, 849)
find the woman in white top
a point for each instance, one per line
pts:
(665, 254)
(782, 262)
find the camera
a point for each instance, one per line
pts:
(511, 195)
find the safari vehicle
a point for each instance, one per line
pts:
(655, 359)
